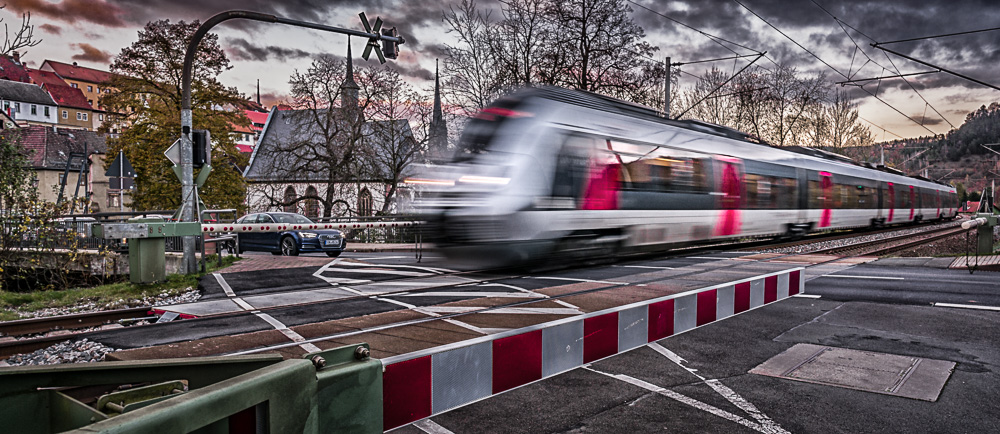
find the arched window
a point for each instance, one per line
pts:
(365, 202)
(288, 200)
(312, 205)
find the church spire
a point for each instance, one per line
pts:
(438, 128)
(349, 89)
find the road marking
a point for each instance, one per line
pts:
(848, 276)
(800, 295)
(557, 301)
(702, 257)
(289, 333)
(646, 266)
(469, 294)
(232, 294)
(765, 423)
(504, 310)
(414, 267)
(967, 306)
(570, 279)
(380, 271)
(431, 427)
(690, 401)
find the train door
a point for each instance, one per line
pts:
(730, 185)
(937, 201)
(601, 192)
(826, 187)
(891, 205)
(913, 201)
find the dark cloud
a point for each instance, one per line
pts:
(100, 12)
(51, 29)
(930, 120)
(407, 67)
(241, 49)
(268, 99)
(91, 54)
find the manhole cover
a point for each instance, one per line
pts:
(890, 374)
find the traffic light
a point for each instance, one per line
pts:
(391, 49)
(201, 146)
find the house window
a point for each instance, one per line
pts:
(17, 107)
(86, 116)
(91, 102)
(365, 203)
(34, 109)
(65, 114)
(90, 88)
(79, 116)
(6, 105)
(100, 117)
(73, 85)
(46, 112)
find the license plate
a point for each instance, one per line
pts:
(331, 243)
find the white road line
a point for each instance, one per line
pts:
(225, 285)
(232, 294)
(645, 266)
(289, 333)
(504, 310)
(570, 279)
(689, 401)
(848, 276)
(801, 295)
(557, 301)
(414, 267)
(469, 294)
(431, 427)
(967, 306)
(766, 424)
(702, 257)
(386, 272)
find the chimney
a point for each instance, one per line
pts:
(16, 56)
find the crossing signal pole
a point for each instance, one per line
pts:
(391, 41)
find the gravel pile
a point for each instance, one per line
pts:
(806, 248)
(82, 351)
(189, 295)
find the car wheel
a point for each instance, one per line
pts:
(333, 254)
(288, 247)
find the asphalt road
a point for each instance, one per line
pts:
(699, 381)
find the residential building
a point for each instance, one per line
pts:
(49, 150)
(74, 111)
(12, 69)
(92, 82)
(27, 103)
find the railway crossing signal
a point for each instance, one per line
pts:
(389, 48)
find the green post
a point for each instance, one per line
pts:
(984, 245)
(146, 263)
(349, 390)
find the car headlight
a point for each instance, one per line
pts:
(308, 234)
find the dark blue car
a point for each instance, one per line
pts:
(291, 242)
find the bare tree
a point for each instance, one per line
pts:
(473, 78)
(23, 37)
(596, 46)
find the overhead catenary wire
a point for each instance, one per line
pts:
(831, 66)
(894, 67)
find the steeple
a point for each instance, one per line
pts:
(349, 89)
(438, 128)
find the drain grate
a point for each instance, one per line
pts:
(890, 374)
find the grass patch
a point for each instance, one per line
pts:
(109, 296)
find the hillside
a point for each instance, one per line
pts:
(958, 157)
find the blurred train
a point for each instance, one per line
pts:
(550, 171)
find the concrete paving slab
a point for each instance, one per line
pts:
(297, 297)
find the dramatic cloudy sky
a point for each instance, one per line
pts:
(92, 32)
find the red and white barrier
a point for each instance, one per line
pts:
(280, 227)
(428, 382)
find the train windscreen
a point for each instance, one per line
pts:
(479, 134)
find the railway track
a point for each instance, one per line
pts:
(32, 326)
(893, 244)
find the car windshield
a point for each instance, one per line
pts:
(290, 218)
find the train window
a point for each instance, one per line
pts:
(572, 167)
(839, 196)
(759, 191)
(785, 192)
(481, 132)
(668, 170)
